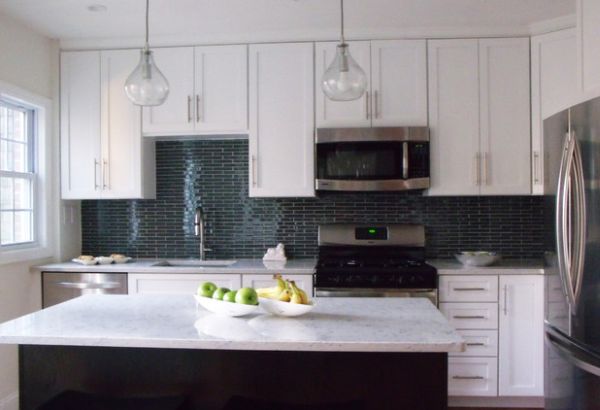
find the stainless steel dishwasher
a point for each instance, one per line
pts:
(58, 287)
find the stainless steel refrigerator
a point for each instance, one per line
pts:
(572, 328)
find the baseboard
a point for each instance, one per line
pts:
(10, 402)
(507, 402)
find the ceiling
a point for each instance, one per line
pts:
(277, 20)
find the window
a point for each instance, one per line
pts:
(17, 174)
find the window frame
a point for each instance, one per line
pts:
(44, 185)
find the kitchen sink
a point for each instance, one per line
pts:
(196, 263)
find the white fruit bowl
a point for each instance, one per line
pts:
(278, 308)
(477, 258)
(225, 308)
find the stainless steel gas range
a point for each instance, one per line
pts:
(374, 261)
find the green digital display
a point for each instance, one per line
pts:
(370, 233)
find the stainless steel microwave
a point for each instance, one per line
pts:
(372, 159)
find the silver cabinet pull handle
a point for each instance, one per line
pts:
(405, 160)
(536, 165)
(468, 317)
(468, 289)
(87, 285)
(505, 300)
(475, 344)
(468, 377)
(189, 108)
(198, 115)
(367, 111)
(376, 104)
(105, 185)
(96, 165)
(253, 170)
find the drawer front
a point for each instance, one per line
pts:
(471, 376)
(468, 288)
(479, 343)
(180, 284)
(471, 315)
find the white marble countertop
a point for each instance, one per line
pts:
(174, 322)
(253, 266)
(503, 267)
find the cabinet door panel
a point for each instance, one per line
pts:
(221, 85)
(80, 125)
(479, 343)
(454, 117)
(122, 160)
(471, 315)
(281, 120)
(399, 89)
(505, 116)
(455, 288)
(304, 282)
(472, 376)
(588, 15)
(330, 113)
(521, 336)
(175, 115)
(178, 284)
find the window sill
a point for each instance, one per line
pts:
(29, 254)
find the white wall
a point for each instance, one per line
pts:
(30, 62)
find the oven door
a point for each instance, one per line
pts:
(373, 165)
(431, 294)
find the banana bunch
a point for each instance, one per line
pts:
(285, 291)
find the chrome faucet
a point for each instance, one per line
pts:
(199, 231)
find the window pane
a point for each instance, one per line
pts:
(5, 162)
(23, 226)
(17, 157)
(6, 228)
(6, 193)
(22, 193)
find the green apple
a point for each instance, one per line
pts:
(229, 296)
(219, 293)
(246, 296)
(207, 289)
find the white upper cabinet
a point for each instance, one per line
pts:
(102, 152)
(479, 117)
(208, 92)
(176, 115)
(356, 113)
(397, 85)
(281, 141)
(80, 124)
(554, 87)
(588, 16)
(521, 340)
(505, 109)
(454, 117)
(399, 82)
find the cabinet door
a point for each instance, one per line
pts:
(399, 82)
(472, 376)
(176, 115)
(178, 284)
(330, 113)
(454, 117)
(505, 116)
(125, 167)
(80, 125)
(553, 89)
(588, 15)
(281, 120)
(304, 282)
(521, 339)
(221, 100)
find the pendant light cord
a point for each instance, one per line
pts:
(147, 14)
(342, 15)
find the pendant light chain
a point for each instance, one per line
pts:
(147, 21)
(342, 15)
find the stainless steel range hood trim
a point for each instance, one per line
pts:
(330, 135)
(373, 185)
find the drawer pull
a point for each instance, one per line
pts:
(475, 344)
(468, 317)
(468, 377)
(468, 289)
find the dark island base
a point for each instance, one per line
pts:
(397, 381)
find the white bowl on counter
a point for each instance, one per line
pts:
(278, 308)
(220, 307)
(477, 258)
(104, 260)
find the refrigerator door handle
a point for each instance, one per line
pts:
(580, 222)
(573, 353)
(563, 215)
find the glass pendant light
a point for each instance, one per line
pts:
(344, 80)
(146, 85)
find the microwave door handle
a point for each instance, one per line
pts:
(405, 160)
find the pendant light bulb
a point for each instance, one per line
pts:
(344, 79)
(146, 85)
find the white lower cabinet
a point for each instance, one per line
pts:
(304, 282)
(501, 319)
(178, 284)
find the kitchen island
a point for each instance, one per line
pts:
(386, 353)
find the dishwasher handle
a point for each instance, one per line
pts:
(89, 285)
